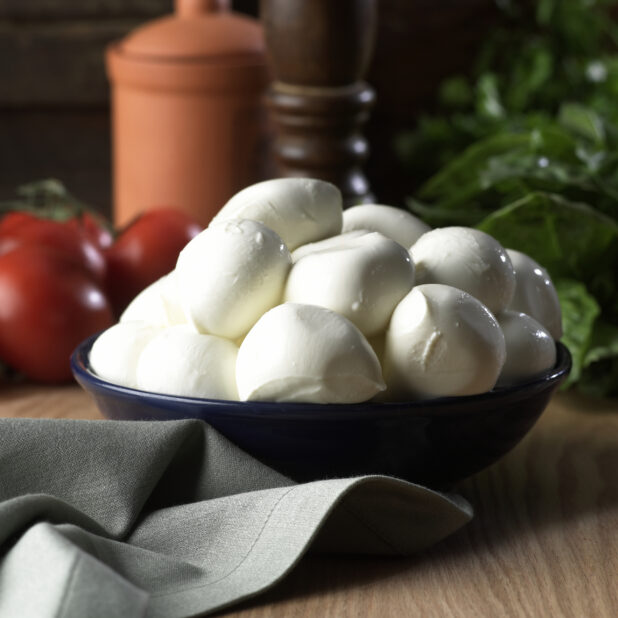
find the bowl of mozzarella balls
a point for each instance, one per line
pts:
(329, 342)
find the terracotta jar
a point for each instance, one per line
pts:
(188, 123)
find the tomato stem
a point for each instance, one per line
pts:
(50, 199)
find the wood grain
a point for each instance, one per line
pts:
(72, 145)
(35, 401)
(544, 540)
(57, 63)
(62, 9)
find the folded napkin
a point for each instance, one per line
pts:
(104, 518)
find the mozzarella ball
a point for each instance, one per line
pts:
(535, 293)
(229, 275)
(306, 353)
(180, 361)
(300, 210)
(397, 224)
(115, 352)
(328, 244)
(361, 275)
(530, 349)
(156, 304)
(467, 259)
(441, 341)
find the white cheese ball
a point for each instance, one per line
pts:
(229, 275)
(535, 293)
(179, 361)
(306, 353)
(328, 244)
(530, 349)
(441, 341)
(467, 259)
(115, 352)
(361, 275)
(156, 304)
(300, 210)
(397, 224)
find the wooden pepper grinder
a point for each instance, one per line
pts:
(319, 52)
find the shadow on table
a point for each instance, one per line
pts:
(565, 469)
(317, 575)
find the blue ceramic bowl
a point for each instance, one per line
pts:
(435, 442)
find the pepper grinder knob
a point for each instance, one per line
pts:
(319, 52)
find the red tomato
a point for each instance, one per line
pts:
(47, 306)
(55, 236)
(144, 251)
(95, 231)
(15, 219)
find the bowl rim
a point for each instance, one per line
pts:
(442, 406)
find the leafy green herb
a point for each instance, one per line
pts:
(600, 373)
(571, 240)
(526, 148)
(579, 313)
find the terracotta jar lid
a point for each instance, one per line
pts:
(201, 46)
(189, 127)
(199, 29)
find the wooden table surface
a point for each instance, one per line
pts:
(543, 542)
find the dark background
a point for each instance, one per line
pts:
(54, 112)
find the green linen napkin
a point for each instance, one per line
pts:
(169, 519)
